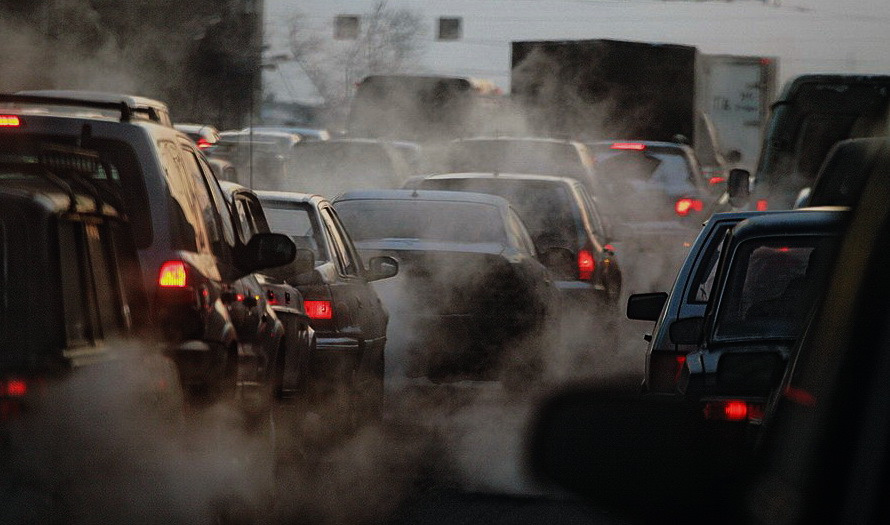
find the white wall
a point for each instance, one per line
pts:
(807, 35)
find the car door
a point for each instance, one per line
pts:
(363, 303)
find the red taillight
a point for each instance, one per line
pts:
(733, 410)
(203, 143)
(271, 297)
(716, 180)
(686, 205)
(10, 121)
(633, 146)
(173, 275)
(586, 265)
(762, 205)
(13, 388)
(319, 309)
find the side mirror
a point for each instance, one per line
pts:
(265, 250)
(803, 198)
(687, 331)
(646, 306)
(738, 186)
(382, 267)
(636, 455)
(303, 262)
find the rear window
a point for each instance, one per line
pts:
(427, 220)
(501, 156)
(298, 223)
(121, 178)
(545, 208)
(331, 168)
(772, 285)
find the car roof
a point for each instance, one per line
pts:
(424, 195)
(134, 102)
(503, 176)
(289, 196)
(823, 220)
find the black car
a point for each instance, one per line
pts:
(267, 298)
(771, 272)
(844, 173)
(472, 296)
(159, 178)
(665, 360)
(348, 318)
(569, 234)
(70, 287)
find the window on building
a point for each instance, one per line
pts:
(346, 27)
(450, 28)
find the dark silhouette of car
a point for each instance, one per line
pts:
(161, 181)
(348, 318)
(472, 295)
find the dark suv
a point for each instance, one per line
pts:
(158, 177)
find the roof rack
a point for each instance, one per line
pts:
(130, 107)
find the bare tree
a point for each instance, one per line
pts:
(390, 40)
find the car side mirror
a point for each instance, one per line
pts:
(382, 267)
(265, 250)
(635, 455)
(687, 331)
(646, 306)
(738, 186)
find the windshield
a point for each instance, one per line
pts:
(423, 220)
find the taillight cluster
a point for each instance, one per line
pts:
(319, 309)
(10, 121)
(686, 205)
(733, 410)
(173, 274)
(586, 265)
(13, 388)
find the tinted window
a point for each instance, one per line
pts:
(771, 287)
(188, 214)
(300, 225)
(545, 208)
(703, 280)
(428, 220)
(501, 156)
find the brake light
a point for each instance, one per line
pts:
(716, 180)
(586, 265)
(762, 205)
(10, 121)
(686, 205)
(173, 275)
(203, 143)
(270, 296)
(13, 388)
(733, 410)
(633, 146)
(319, 309)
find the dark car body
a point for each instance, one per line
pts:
(471, 293)
(771, 272)
(845, 172)
(70, 289)
(348, 318)
(159, 178)
(267, 299)
(688, 298)
(812, 113)
(570, 235)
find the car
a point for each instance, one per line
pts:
(569, 234)
(159, 178)
(472, 295)
(66, 249)
(771, 271)
(334, 166)
(346, 313)
(260, 158)
(688, 298)
(529, 155)
(204, 135)
(820, 458)
(291, 358)
(844, 172)
(655, 196)
(306, 134)
(812, 113)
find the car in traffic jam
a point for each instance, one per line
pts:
(399, 262)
